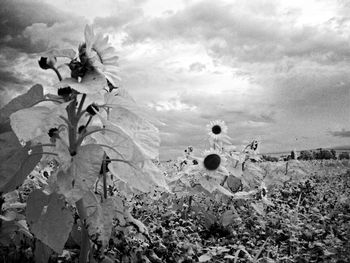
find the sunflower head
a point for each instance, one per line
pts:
(97, 52)
(212, 160)
(217, 129)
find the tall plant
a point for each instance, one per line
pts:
(93, 129)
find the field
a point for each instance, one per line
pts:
(308, 220)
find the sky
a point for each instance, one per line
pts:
(273, 70)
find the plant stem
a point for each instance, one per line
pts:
(104, 168)
(57, 73)
(73, 145)
(85, 242)
(81, 104)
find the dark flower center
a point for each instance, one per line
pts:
(53, 133)
(216, 129)
(212, 162)
(64, 92)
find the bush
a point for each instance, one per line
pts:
(268, 158)
(344, 155)
(322, 154)
(305, 155)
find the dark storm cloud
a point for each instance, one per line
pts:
(342, 133)
(17, 15)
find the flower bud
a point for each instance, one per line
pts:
(91, 109)
(47, 62)
(64, 92)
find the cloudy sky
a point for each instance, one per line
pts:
(274, 70)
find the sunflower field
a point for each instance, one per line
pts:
(81, 181)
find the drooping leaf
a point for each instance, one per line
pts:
(92, 82)
(122, 100)
(143, 176)
(144, 134)
(15, 162)
(80, 178)
(49, 219)
(86, 165)
(35, 122)
(99, 217)
(135, 145)
(33, 95)
(212, 185)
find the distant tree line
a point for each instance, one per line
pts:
(319, 154)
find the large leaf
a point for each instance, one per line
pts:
(92, 82)
(142, 176)
(99, 217)
(129, 145)
(49, 219)
(33, 95)
(83, 173)
(42, 252)
(144, 134)
(35, 122)
(15, 162)
(211, 185)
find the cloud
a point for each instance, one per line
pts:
(197, 67)
(236, 33)
(17, 15)
(343, 133)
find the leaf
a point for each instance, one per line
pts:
(212, 185)
(42, 252)
(87, 164)
(7, 231)
(228, 217)
(83, 173)
(92, 82)
(9, 216)
(234, 183)
(143, 176)
(49, 219)
(15, 162)
(33, 95)
(132, 145)
(34, 122)
(259, 208)
(144, 134)
(68, 53)
(204, 258)
(99, 217)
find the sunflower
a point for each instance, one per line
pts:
(217, 129)
(213, 162)
(99, 54)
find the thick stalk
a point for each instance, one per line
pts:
(73, 145)
(85, 241)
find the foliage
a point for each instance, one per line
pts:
(344, 155)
